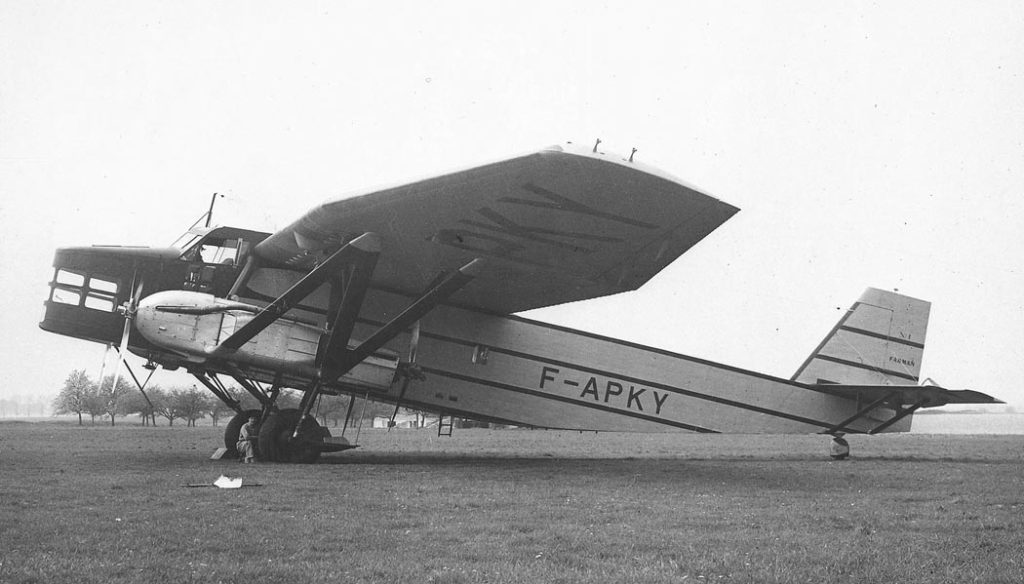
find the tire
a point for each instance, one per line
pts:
(232, 430)
(277, 445)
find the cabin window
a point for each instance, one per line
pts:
(65, 296)
(98, 285)
(81, 290)
(101, 295)
(67, 278)
(103, 303)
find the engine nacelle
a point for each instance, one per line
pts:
(193, 324)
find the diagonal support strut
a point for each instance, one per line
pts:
(861, 413)
(354, 251)
(904, 412)
(419, 308)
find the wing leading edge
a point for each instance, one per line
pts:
(553, 226)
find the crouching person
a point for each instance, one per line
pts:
(247, 440)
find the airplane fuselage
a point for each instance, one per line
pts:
(479, 365)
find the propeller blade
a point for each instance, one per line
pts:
(129, 314)
(414, 343)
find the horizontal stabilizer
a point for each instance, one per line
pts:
(926, 396)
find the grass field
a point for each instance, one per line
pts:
(101, 504)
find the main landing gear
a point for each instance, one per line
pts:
(284, 434)
(280, 442)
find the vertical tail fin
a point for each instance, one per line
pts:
(879, 341)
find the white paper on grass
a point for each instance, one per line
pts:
(227, 482)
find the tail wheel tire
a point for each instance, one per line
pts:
(233, 429)
(277, 445)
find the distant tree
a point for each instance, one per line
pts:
(95, 406)
(247, 401)
(219, 409)
(333, 408)
(138, 403)
(289, 399)
(191, 404)
(75, 396)
(112, 399)
(163, 404)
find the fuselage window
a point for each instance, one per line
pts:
(97, 302)
(65, 296)
(71, 288)
(69, 278)
(104, 286)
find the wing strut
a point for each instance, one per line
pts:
(360, 250)
(417, 310)
(339, 362)
(347, 294)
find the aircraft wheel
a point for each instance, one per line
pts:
(277, 445)
(232, 430)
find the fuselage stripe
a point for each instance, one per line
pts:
(875, 335)
(866, 367)
(568, 400)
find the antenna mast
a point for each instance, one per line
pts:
(209, 214)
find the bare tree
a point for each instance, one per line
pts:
(76, 395)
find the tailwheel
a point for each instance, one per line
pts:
(232, 430)
(276, 443)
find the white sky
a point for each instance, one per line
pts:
(866, 146)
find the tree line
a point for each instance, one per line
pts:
(82, 396)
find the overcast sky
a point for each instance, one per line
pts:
(866, 145)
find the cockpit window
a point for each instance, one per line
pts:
(214, 251)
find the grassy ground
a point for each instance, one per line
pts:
(101, 504)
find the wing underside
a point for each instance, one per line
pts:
(552, 227)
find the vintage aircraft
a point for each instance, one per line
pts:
(406, 295)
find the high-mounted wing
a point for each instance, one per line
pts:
(552, 226)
